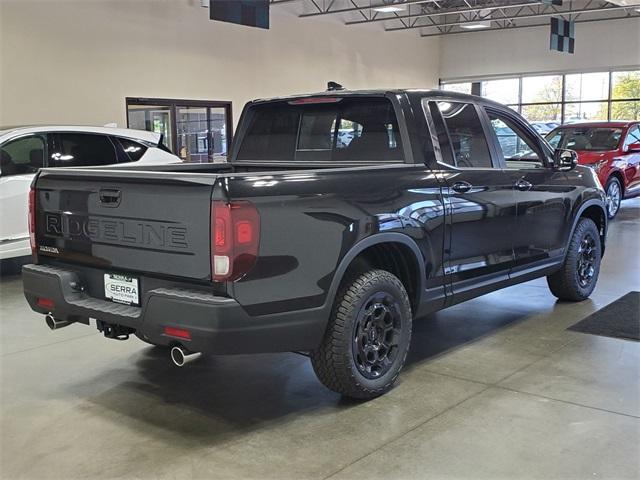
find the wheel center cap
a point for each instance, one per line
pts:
(372, 334)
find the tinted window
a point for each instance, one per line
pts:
(468, 142)
(23, 155)
(348, 129)
(82, 150)
(633, 136)
(586, 138)
(517, 147)
(133, 150)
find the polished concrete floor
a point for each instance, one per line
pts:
(496, 388)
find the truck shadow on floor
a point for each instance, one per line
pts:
(217, 398)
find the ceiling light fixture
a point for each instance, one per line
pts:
(389, 9)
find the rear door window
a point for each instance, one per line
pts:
(22, 155)
(331, 129)
(83, 150)
(461, 128)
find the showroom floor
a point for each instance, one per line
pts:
(494, 388)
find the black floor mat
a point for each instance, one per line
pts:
(620, 319)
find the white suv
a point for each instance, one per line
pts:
(23, 150)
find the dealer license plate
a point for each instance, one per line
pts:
(121, 289)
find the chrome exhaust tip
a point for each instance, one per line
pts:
(55, 323)
(180, 357)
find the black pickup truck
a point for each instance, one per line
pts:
(338, 219)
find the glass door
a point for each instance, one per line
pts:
(196, 131)
(152, 118)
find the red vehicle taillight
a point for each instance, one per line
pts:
(32, 220)
(235, 238)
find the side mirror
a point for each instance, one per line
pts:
(564, 160)
(633, 147)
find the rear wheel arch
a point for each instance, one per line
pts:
(394, 252)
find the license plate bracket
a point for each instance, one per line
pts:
(122, 289)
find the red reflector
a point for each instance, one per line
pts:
(177, 332)
(46, 303)
(314, 100)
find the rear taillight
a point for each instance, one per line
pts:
(32, 220)
(235, 238)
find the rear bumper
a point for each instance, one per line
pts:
(216, 324)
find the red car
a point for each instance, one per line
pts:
(612, 149)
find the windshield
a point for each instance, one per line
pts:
(590, 139)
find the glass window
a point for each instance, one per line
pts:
(633, 136)
(544, 117)
(518, 148)
(133, 150)
(21, 156)
(543, 89)
(458, 87)
(587, 86)
(271, 133)
(625, 110)
(586, 139)
(83, 150)
(153, 118)
(467, 136)
(626, 85)
(585, 112)
(503, 91)
(367, 130)
(317, 130)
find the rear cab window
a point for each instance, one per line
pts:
(341, 129)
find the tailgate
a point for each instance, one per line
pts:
(149, 222)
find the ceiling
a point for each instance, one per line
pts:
(431, 18)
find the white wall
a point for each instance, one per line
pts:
(599, 45)
(76, 61)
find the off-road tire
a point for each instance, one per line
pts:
(334, 361)
(565, 283)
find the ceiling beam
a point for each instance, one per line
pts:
(368, 6)
(515, 17)
(448, 12)
(425, 35)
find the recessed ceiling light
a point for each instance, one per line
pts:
(474, 26)
(389, 9)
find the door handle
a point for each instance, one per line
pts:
(109, 197)
(461, 187)
(523, 185)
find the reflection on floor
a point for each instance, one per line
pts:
(494, 388)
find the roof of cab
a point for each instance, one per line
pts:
(382, 92)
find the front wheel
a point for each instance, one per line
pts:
(579, 273)
(613, 190)
(368, 337)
